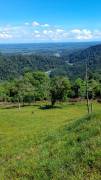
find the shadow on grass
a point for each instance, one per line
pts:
(9, 107)
(46, 107)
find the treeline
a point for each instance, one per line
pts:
(38, 86)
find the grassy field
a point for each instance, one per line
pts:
(50, 144)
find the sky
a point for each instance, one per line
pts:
(27, 21)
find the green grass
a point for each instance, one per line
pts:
(58, 144)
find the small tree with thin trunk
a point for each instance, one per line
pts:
(60, 87)
(89, 93)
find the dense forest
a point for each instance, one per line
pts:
(33, 77)
(16, 65)
(71, 64)
(92, 56)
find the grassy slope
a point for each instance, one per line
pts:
(50, 144)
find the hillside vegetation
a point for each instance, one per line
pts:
(71, 64)
(15, 66)
(59, 143)
(91, 55)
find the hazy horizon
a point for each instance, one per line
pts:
(55, 47)
(60, 42)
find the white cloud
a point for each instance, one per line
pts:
(5, 35)
(82, 34)
(37, 35)
(27, 23)
(36, 32)
(97, 34)
(77, 31)
(60, 30)
(66, 35)
(35, 24)
(45, 25)
(45, 32)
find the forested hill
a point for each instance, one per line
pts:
(92, 55)
(16, 65)
(73, 65)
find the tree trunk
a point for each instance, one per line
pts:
(53, 102)
(19, 105)
(87, 94)
(91, 106)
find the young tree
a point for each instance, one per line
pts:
(78, 88)
(21, 89)
(3, 92)
(60, 87)
(87, 90)
(41, 83)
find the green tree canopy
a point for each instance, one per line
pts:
(60, 87)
